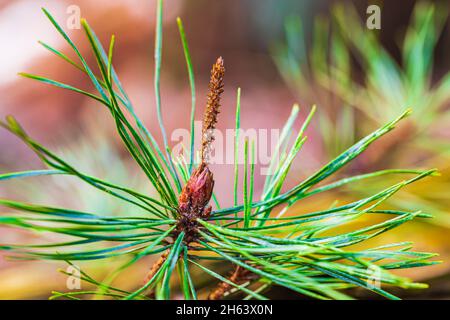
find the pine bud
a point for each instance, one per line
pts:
(196, 193)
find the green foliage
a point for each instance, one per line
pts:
(67, 191)
(307, 253)
(387, 88)
(327, 72)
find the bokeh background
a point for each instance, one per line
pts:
(268, 47)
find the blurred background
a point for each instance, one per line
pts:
(279, 52)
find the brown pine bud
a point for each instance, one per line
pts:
(197, 192)
(193, 201)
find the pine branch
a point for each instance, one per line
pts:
(289, 249)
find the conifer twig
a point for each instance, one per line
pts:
(195, 195)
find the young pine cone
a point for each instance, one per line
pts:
(193, 201)
(196, 194)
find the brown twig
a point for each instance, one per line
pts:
(155, 267)
(239, 276)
